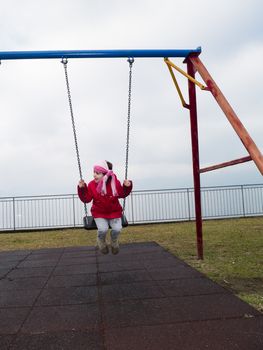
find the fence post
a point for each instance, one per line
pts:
(243, 202)
(188, 201)
(74, 214)
(14, 214)
(132, 208)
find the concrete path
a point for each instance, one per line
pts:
(143, 298)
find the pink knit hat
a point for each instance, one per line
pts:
(102, 167)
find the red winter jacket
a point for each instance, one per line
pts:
(104, 206)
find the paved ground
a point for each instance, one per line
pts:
(143, 298)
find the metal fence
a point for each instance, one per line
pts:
(148, 206)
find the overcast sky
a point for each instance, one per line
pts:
(36, 140)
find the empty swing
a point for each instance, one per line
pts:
(88, 220)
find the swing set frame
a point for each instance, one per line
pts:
(194, 65)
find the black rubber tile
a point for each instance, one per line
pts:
(77, 260)
(140, 248)
(136, 249)
(75, 269)
(15, 253)
(234, 334)
(79, 249)
(12, 258)
(11, 298)
(110, 258)
(78, 254)
(190, 286)
(6, 255)
(44, 256)
(147, 257)
(175, 309)
(89, 279)
(130, 254)
(11, 319)
(173, 272)
(138, 290)
(39, 263)
(149, 299)
(68, 296)
(120, 266)
(30, 272)
(160, 255)
(5, 341)
(169, 262)
(124, 277)
(141, 245)
(62, 318)
(8, 264)
(22, 283)
(47, 251)
(4, 271)
(70, 340)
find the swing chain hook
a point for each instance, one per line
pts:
(64, 60)
(130, 60)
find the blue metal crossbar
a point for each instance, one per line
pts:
(16, 55)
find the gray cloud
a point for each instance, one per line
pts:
(37, 147)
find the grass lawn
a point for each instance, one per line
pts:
(233, 249)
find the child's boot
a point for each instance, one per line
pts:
(102, 245)
(115, 248)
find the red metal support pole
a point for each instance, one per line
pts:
(229, 112)
(225, 164)
(195, 157)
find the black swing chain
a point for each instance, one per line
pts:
(130, 60)
(65, 61)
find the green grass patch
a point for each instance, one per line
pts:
(233, 249)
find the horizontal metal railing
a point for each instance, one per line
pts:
(147, 206)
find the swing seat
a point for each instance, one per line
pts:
(90, 224)
(124, 221)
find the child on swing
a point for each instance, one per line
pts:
(106, 210)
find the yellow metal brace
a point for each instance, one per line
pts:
(171, 65)
(185, 105)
